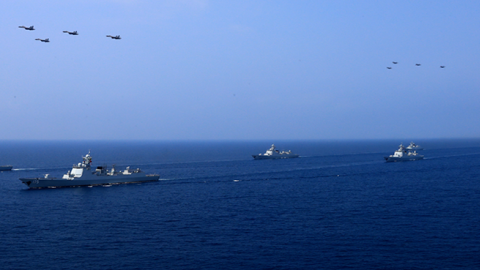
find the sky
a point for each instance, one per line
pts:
(239, 70)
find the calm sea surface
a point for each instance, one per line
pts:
(338, 206)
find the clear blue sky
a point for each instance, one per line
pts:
(239, 70)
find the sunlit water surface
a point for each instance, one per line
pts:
(337, 206)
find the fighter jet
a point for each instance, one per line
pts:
(395, 63)
(43, 40)
(389, 67)
(114, 37)
(442, 66)
(27, 28)
(71, 33)
(417, 65)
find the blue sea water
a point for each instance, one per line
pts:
(338, 206)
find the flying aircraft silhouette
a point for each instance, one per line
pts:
(389, 67)
(417, 65)
(71, 33)
(27, 28)
(43, 40)
(395, 63)
(114, 37)
(442, 66)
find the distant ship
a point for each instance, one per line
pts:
(82, 175)
(6, 168)
(402, 154)
(414, 146)
(275, 154)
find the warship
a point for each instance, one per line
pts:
(403, 154)
(6, 167)
(82, 174)
(272, 153)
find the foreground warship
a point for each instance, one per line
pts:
(83, 175)
(404, 154)
(275, 154)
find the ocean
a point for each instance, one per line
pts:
(338, 206)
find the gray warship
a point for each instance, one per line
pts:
(272, 153)
(404, 154)
(82, 174)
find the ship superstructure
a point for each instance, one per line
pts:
(414, 146)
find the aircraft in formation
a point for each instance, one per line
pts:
(75, 33)
(415, 65)
(71, 33)
(43, 40)
(114, 37)
(27, 28)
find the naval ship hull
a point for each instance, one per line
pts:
(400, 159)
(39, 183)
(274, 157)
(6, 168)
